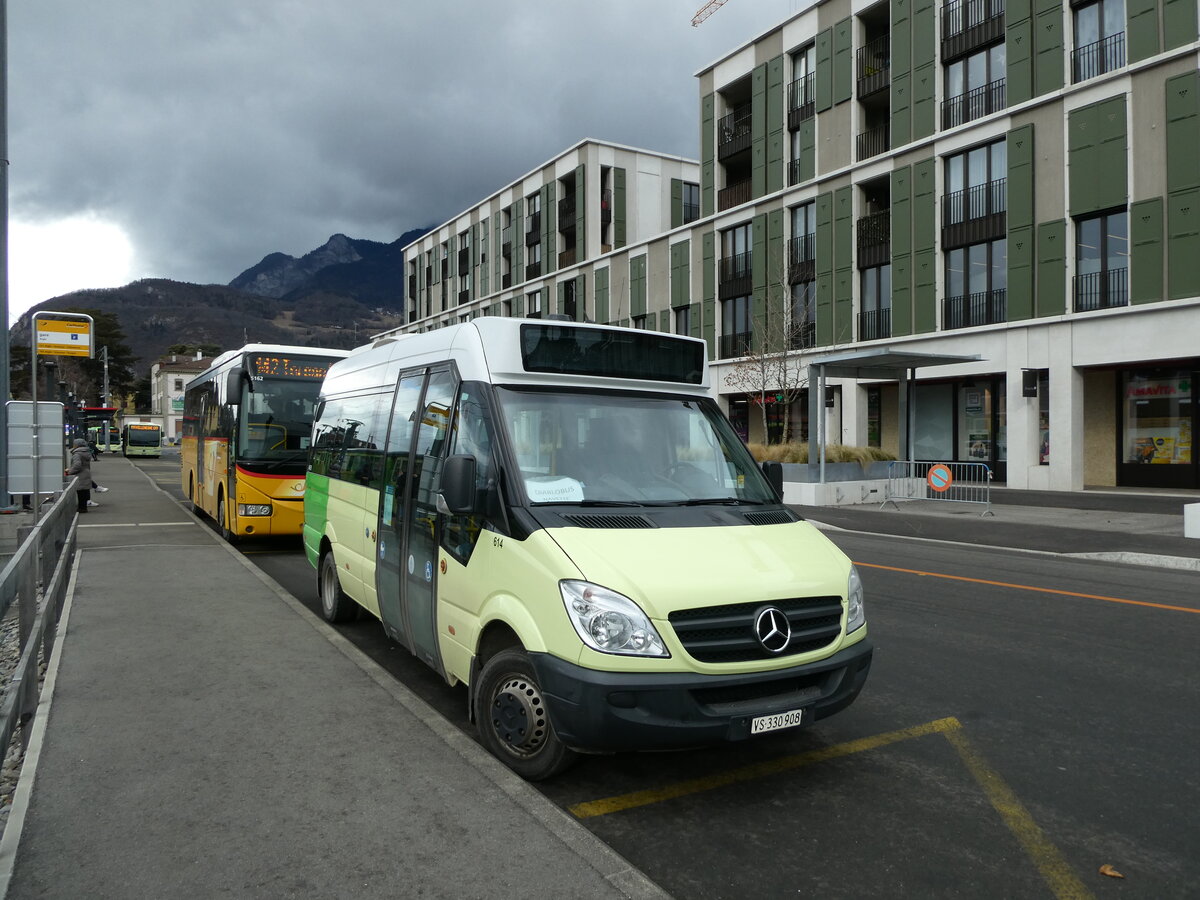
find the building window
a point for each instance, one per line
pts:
(975, 86)
(875, 319)
(178, 384)
(736, 329)
(735, 273)
(1102, 261)
(1099, 39)
(683, 320)
(874, 416)
(976, 188)
(1157, 417)
(569, 300)
(533, 305)
(801, 92)
(976, 286)
(691, 202)
(802, 325)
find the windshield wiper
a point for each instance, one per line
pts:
(593, 503)
(721, 501)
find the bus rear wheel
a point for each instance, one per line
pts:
(336, 607)
(513, 721)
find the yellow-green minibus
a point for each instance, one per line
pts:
(559, 516)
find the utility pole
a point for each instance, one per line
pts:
(104, 393)
(5, 499)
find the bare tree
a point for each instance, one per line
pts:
(772, 370)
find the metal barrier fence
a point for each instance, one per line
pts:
(951, 482)
(36, 579)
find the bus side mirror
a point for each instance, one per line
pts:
(233, 384)
(457, 491)
(774, 473)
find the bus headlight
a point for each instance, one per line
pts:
(856, 617)
(254, 509)
(610, 622)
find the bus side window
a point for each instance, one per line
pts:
(471, 435)
(399, 445)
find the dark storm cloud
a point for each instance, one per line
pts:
(215, 132)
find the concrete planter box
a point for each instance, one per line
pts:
(804, 473)
(845, 484)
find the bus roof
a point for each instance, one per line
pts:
(544, 352)
(230, 356)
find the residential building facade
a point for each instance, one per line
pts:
(1013, 187)
(168, 378)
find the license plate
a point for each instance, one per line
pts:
(789, 719)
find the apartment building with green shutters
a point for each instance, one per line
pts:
(1012, 187)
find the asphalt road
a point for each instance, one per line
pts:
(1028, 720)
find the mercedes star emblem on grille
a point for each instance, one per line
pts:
(773, 630)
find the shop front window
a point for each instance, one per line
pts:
(1157, 414)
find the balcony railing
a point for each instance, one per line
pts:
(734, 345)
(412, 285)
(803, 336)
(970, 25)
(794, 176)
(735, 194)
(983, 308)
(976, 214)
(506, 280)
(801, 100)
(874, 324)
(464, 297)
(533, 229)
(801, 258)
(464, 261)
(533, 270)
(1096, 59)
(1102, 290)
(691, 212)
(734, 132)
(567, 258)
(874, 66)
(974, 104)
(566, 213)
(874, 242)
(736, 267)
(872, 142)
(605, 207)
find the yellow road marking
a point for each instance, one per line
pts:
(758, 770)
(1050, 863)
(1045, 855)
(1029, 587)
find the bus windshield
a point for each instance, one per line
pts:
(143, 435)
(627, 449)
(275, 419)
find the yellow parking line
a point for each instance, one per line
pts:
(1045, 855)
(758, 770)
(1030, 587)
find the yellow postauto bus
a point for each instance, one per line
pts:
(559, 516)
(247, 420)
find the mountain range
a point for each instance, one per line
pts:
(335, 296)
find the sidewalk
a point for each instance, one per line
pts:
(1121, 525)
(203, 734)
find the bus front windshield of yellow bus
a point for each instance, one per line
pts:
(627, 449)
(275, 419)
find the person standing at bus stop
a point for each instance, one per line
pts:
(81, 466)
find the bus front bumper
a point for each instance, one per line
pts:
(610, 711)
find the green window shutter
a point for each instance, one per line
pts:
(925, 291)
(901, 123)
(924, 106)
(1146, 239)
(676, 202)
(497, 256)
(709, 302)
(924, 31)
(1020, 177)
(843, 305)
(776, 125)
(518, 242)
(694, 320)
(518, 306)
(902, 303)
(560, 306)
(681, 273)
(758, 266)
(808, 150)
(1020, 273)
(708, 155)
(1052, 268)
(637, 286)
(1018, 48)
(580, 213)
(601, 290)
(901, 55)
(1112, 172)
(824, 323)
(823, 83)
(1082, 132)
(777, 280)
(843, 60)
(824, 239)
(1183, 131)
(901, 210)
(580, 298)
(1179, 23)
(1142, 28)
(843, 227)
(549, 228)
(1183, 244)
(758, 131)
(924, 212)
(1048, 43)
(618, 207)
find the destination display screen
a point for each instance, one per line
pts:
(263, 366)
(135, 427)
(646, 355)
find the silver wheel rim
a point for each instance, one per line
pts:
(518, 716)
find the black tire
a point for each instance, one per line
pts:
(336, 607)
(513, 722)
(192, 497)
(225, 532)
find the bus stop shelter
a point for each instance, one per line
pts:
(876, 364)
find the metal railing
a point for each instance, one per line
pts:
(736, 194)
(1095, 59)
(874, 324)
(981, 308)
(874, 66)
(974, 104)
(1102, 290)
(871, 142)
(948, 482)
(35, 578)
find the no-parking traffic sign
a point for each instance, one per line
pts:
(939, 477)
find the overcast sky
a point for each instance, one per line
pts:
(186, 139)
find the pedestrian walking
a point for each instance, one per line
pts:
(81, 466)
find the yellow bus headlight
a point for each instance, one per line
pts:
(254, 509)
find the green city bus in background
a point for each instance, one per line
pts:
(142, 439)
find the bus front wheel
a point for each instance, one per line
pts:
(335, 605)
(513, 721)
(222, 522)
